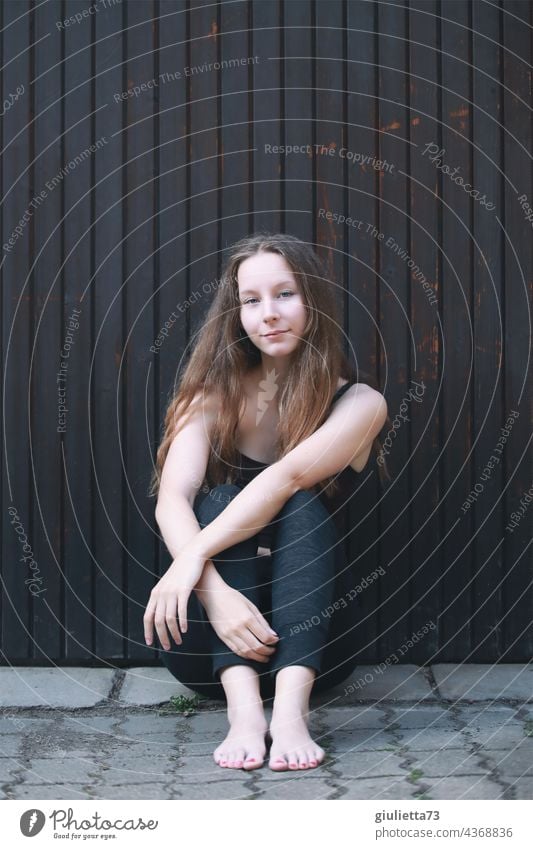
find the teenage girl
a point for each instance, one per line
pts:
(267, 423)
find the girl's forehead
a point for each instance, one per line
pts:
(260, 265)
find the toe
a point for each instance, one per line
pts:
(293, 760)
(239, 757)
(278, 763)
(318, 755)
(231, 759)
(253, 761)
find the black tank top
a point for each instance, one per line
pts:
(248, 469)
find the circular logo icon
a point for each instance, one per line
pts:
(31, 822)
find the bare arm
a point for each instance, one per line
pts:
(247, 513)
(182, 474)
(355, 421)
(178, 525)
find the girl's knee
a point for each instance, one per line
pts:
(215, 501)
(305, 504)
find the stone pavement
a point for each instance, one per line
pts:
(402, 732)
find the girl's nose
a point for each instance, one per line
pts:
(270, 309)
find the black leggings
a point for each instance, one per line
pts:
(304, 589)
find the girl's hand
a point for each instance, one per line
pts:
(240, 624)
(172, 593)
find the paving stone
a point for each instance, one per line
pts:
(467, 787)
(447, 762)
(13, 723)
(480, 681)
(523, 788)
(135, 727)
(516, 762)
(148, 749)
(362, 740)
(61, 771)
(382, 788)
(50, 791)
(355, 765)
(303, 788)
(67, 686)
(423, 717)
(487, 717)
(498, 738)
(101, 726)
(10, 746)
(431, 739)
(133, 791)
(405, 682)
(148, 685)
(215, 790)
(9, 768)
(140, 771)
(350, 718)
(195, 770)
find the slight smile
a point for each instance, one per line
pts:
(275, 333)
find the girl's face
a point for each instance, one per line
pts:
(271, 299)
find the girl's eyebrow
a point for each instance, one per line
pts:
(254, 291)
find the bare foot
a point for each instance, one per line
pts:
(244, 746)
(292, 746)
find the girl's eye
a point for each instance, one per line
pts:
(249, 300)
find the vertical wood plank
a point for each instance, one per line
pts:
(517, 463)
(77, 245)
(363, 287)
(137, 413)
(49, 338)
(18, 318)
(426, 323)
(488, 289)
(396, 355)
(456, 299)
(109, 335)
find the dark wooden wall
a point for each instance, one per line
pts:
(132, 229)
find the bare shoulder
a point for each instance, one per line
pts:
(205, 403)
(360, 390)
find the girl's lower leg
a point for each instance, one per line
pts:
(244, 747)
(292, 745)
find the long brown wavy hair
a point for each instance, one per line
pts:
(223, 353)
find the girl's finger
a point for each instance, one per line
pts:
(183, 600)
(171, 621)
(148, 620)
(244, 651)
(160, 624)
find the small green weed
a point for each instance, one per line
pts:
(185, 704)
(528, 728)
